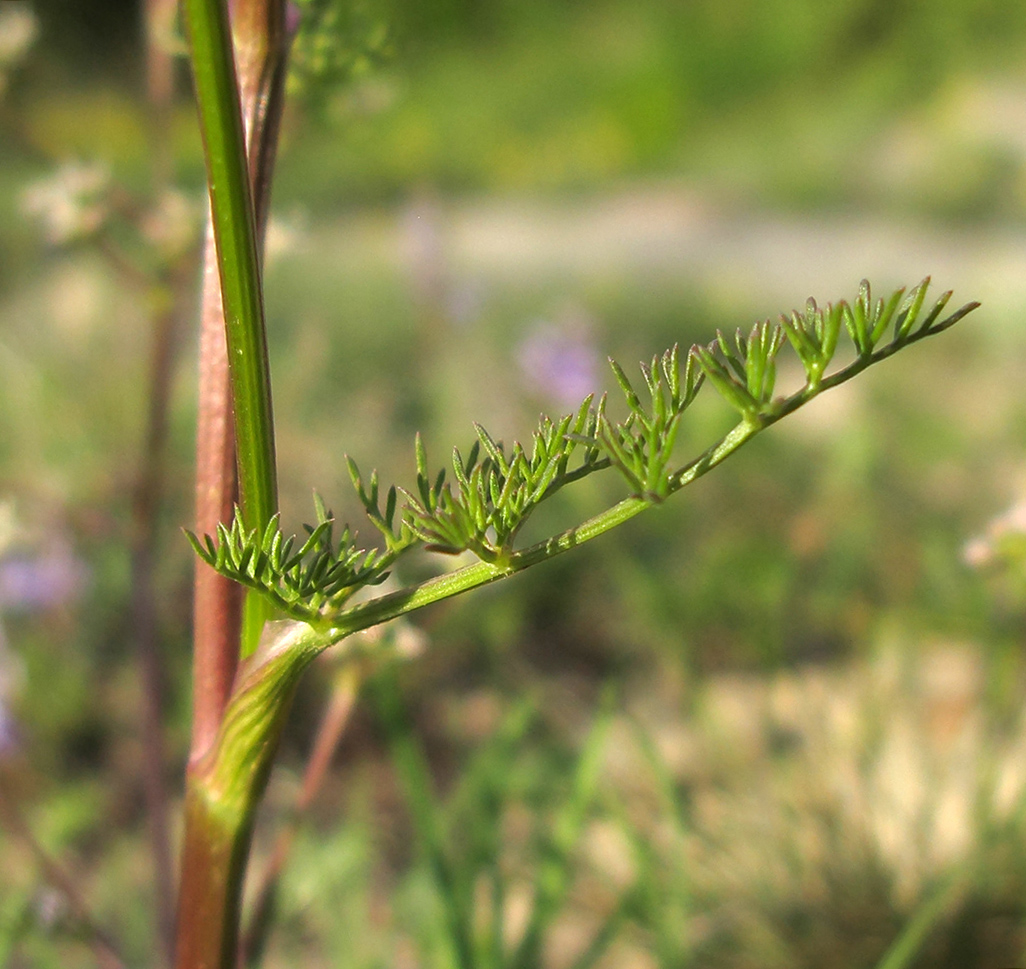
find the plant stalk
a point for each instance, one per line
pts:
(148, 491)
(217, 601)
(222, 795)
(263, 46)
(235, 456)
(234, 225)
(235, 232)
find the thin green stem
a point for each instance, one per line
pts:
(234, 225)
(234, 231)
(908, 946)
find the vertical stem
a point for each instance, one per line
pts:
(261, 53)
(223, 791)
(261, 49)
(144, 620)
(234, 229)
(217, 601)
(235, 438)
(148, 485)
(213, 862)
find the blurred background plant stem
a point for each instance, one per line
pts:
(168, 296)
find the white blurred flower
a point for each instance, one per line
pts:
(984, 549)
(18, 30)
(172, 226)
(51, 907)
(71, 203)
(284, 235)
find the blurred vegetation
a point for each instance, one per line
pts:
(816, 730)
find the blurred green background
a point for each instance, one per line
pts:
(814, 655)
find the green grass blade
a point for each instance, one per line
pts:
(412, 767)
(909, 943)
(554, 870)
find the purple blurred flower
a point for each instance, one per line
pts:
(10, 734)
(293, 17)
(559, 362)
(30, 582)
(12, 674)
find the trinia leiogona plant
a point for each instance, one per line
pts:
(252, 646)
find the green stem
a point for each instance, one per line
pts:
(225, 785)
(223, 792)
(214, 849)
(231, 208)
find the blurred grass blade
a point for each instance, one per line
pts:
(422, 800)
(552, 881)
(477, 806)
(15, 923)
(912, 939)
(607, 934)
(666, 902)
